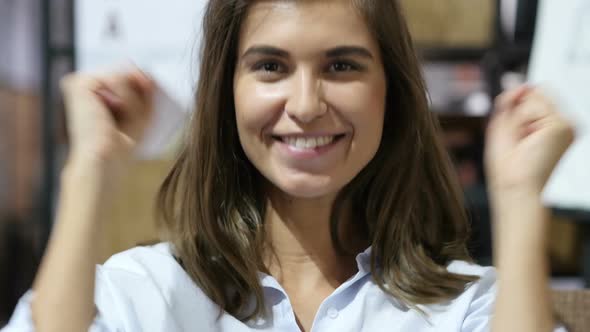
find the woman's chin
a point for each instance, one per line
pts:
(308, 193)
(297, 183)
(308, 190)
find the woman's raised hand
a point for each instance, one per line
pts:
(106, 115)
(525, 140)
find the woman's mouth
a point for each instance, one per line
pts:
(309, 142)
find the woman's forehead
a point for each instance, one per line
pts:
(304, 23)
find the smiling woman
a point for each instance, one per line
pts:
(309, 73)
(311, 192)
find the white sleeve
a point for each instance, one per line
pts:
(21, 320)
(479, 316)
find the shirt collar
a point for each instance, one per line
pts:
(363, 262)
(275, 294)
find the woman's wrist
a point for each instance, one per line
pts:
(89, 175)
(505, 200)
(499, 189)
(79, 165)
(521, 222)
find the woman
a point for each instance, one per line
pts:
(312, 192)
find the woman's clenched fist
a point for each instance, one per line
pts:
(526, 138)
(106, 115)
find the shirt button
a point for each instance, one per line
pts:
(332, 313)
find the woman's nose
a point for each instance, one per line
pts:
(306, 102)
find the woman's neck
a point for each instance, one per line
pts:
(300, 240)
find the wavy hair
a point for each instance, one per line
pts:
(211, 205)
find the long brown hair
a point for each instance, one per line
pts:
(212, 205)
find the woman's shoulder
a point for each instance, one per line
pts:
(470, 268)
(147, 281)
(146, 271)
(486, 282)
(472, 309)
(481, 292)
(137, 259)
(136, 268)
(138, 289)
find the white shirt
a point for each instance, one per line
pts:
(145, 289)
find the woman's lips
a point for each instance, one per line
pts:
(307, 146)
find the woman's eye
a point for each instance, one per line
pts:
(269, 67)
(342, 67)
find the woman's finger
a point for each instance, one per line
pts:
(529, 111)
(511, 98)
(134, 93)
(141, 81)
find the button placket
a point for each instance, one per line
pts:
(332, 313)
(260, 321)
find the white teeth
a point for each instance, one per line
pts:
(300, 142)
(308, 143)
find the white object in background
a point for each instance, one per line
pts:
(560, 62)
(508, 12)
(478, 103)
(512, 80)
(20, 49)
(167, 121)
(160, 37)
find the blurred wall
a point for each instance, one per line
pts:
(19, 41)
(19, 109)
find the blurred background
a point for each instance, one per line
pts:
(471, 50)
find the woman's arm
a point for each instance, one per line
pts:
(106, 116)
(526, 139)
(523, 301)
(64, 287)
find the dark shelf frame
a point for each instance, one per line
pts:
(51, 53)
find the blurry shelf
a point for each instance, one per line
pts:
(573, 214)
(61, 50)
(459, 54)
(513, 54)
(456, 120)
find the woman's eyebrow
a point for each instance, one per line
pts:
(348, 51)
(265, 50)
(340, 51)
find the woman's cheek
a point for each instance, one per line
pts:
(258, 104)
(360, 104)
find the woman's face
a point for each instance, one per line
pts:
(309, 92)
